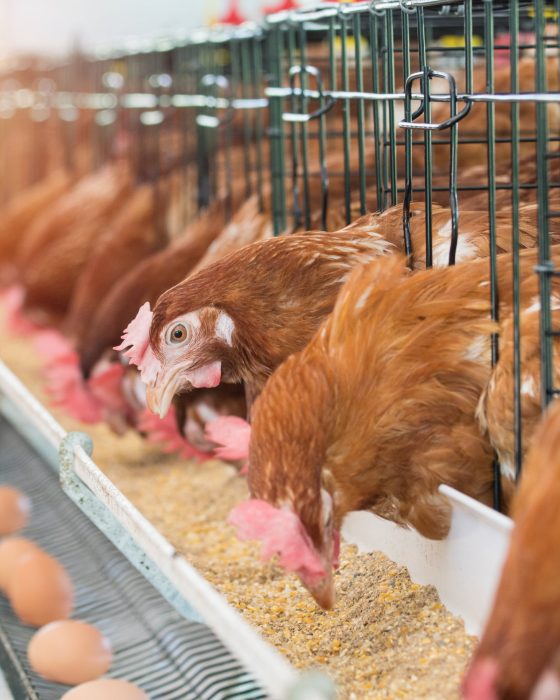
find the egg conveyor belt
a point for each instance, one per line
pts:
(172, 633)
(154, 646)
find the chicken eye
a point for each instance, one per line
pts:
(177, 334)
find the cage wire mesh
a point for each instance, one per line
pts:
(450, 103)
(231, 120)
(324, 114)
(181, 114)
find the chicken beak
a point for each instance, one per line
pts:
(159, 396)
(324, 592)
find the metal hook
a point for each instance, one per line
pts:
(427, 126)
(404, 7)
(373, 8)
(329, 101)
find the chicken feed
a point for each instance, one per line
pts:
(386, 638)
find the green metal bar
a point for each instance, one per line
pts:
(490, 126)
(378, 141)
(545, 263)
(453, 198)
(296, 208)
(384, 114)
(213, 135)
(468, 25)
(427, 134)
(332, 52)
(408, 192)
(304, 130)
(346, 118)
(454, 137)
(227, 147)
(514, 68)
(390, 58)
(274, 46)
(259, 130)
(248, 138)
(490, 115)
(361, 116)
(323, 132)
(405, 23)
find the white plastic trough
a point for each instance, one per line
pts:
(464, 568)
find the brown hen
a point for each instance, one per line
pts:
(56, 248)
(246, 313)
(379, 409)
(133, 235)
(21, 212)
(496, 408)
(475, 123)
(522, 636)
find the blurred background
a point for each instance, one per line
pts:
(57, 26)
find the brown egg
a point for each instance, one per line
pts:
(15, 509)
(69, 651)
(40, 589)
(11, 549)
(106, 689)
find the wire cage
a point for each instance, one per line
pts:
(230, 115)
(325, 114)
(176, 110)
(456, 103)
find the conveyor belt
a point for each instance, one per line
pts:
(154, 647)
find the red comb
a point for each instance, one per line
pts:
(88, 401)
(281, 532)
(164, 431)
(232, 434)
(12, 300)
(136, 344)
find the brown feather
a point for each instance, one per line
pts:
(278, 291)
(381, 404)
(132, 237)
(523, 633)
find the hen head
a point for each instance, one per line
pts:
(188, 350)
(305, 543)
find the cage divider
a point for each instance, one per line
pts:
(392, 142)
(248, 137)
(427, 134)
(346, 129)
(303, 139)
(377, 137)
(360, 111)
(408, 188)
(514, 76)
(296, 207)
(259, 131)
(453, 149)
(545, 263)
(276, 131)
(491, 173)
